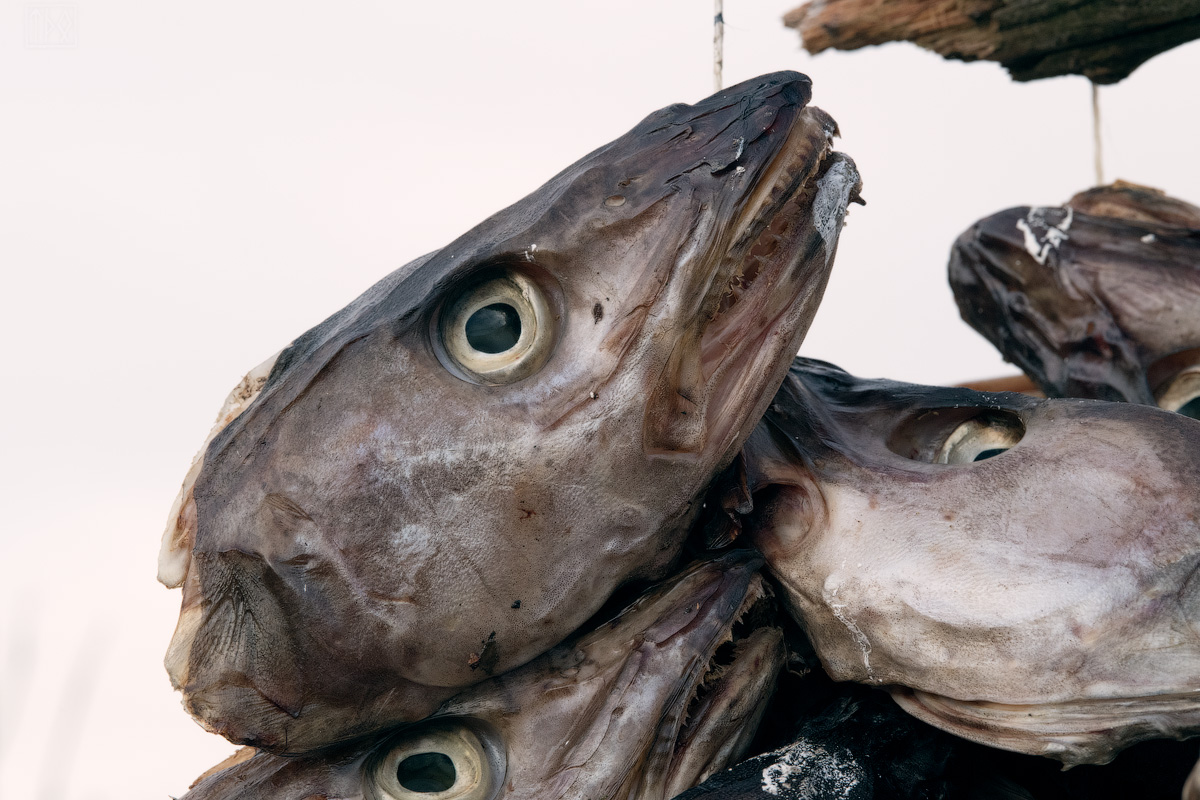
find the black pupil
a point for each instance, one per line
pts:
(494, 328)
(1191, 408)
(426, 772)
(992, 453)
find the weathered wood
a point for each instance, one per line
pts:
(1140, 204)
(1104, 40)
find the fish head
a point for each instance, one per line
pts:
(1098, 299)
(645, 705)
(453, 473)
(1021, 572)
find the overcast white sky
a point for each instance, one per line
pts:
(192, 185)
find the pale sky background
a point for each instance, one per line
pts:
(193, 185)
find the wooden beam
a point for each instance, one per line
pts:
(1104, 40)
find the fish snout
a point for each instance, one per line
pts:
(242, 659)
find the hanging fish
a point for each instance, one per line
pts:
(450, 475)
(1018, 572)
(645, 706)
(1099, 298)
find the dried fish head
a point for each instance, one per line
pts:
(1099, 298)
(450, 475)
(1019, 572)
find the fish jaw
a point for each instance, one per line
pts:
(1058, 576)
(1075, 733)
(420, 528)
(634, 708)
(1086, 305)
(600, 716)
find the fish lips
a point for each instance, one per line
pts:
(762, 266)
(242, 664)
(652, 702)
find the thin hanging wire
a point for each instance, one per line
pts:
(1099, 151)
(718, 43)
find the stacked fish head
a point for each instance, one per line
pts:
(643, 706)
(1099, 298)
(1019, 572)
(450, 475)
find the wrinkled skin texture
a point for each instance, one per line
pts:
(377, 530)
(599, 717)
(1043, 600)
(1097, 299)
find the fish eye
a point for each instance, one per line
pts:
(497, 330)
(1181, 394)
(980, 438)
(444, 760)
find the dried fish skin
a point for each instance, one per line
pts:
(452, 474)
(1087, 306)
(1038, 596)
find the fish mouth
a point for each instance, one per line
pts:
(756, 297)
(710, 715)
(1077, 732)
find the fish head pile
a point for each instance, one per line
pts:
(644, 706)
(1021, 572)
(453, 473)
(1099, 298)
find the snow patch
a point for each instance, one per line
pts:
(805, 769)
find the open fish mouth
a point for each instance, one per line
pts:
(730, 697)
(763, 284)
(648, 704)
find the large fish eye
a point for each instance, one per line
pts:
(443, 760)
(980, 438)
(497, 330)
(1182, 393)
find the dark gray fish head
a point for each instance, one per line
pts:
(1021, 572)
(645, 706)
(1099, 298)
(450, 475)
